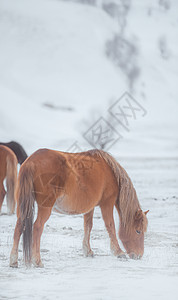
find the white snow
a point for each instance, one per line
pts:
(54, 52)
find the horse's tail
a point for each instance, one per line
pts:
(25, 208)
(11, 181)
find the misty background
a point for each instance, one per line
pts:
(64, 63)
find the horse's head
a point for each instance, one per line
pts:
(133, 239)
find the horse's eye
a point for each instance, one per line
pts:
(138, 232)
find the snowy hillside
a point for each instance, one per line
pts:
(51, 55)
(61, 61)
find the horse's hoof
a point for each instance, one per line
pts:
(134, 256)
(122, 255)
(14, 261)
(13, 265)
(38, 264)
(88, 253)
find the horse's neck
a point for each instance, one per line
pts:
(127, 203)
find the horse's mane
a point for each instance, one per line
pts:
(127, 202)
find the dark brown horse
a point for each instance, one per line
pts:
(8, 170)
(18, 150)
(74, 184)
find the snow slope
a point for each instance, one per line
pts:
(56, 54)
(50, 55)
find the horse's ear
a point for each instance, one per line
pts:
(146, 212)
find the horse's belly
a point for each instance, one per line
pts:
(66, 205)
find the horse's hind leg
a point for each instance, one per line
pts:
(43, 215)
(88, 223)
(14, 252)
(2, 194)
(107, 213)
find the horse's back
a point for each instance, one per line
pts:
(45, 160)
(76, 182)
(48, 169)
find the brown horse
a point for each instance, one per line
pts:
(8, 170)
(74, 183)
(17, 149)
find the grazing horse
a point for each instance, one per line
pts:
(8, 170)
(74, 183)
(18, 150)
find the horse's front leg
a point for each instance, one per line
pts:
(107, 213)
(88, 224)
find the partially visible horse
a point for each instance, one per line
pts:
(74, 183)
(18, 150)
(8, 170)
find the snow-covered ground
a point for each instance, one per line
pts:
(69, 275)
(62, 65)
